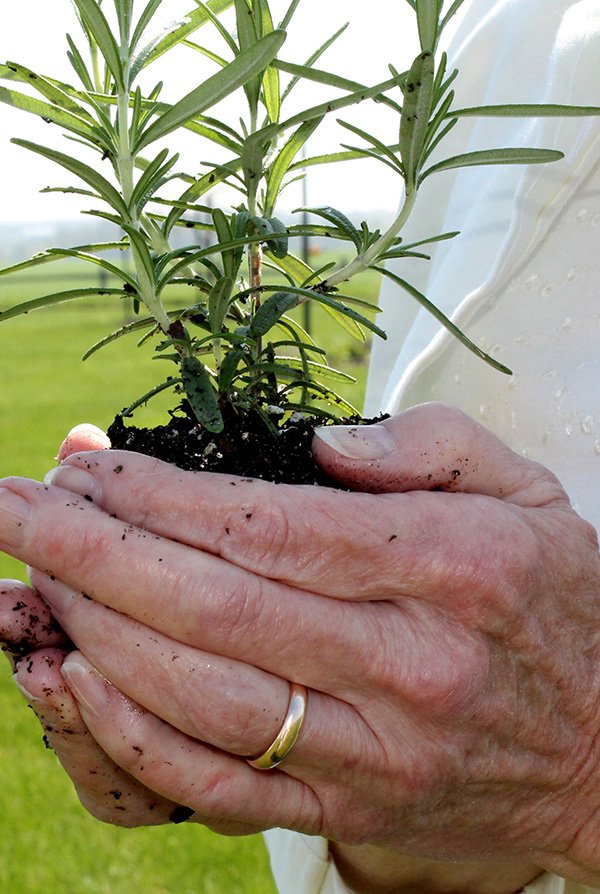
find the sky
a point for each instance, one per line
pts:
(32, 32)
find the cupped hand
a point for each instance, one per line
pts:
(444, 620)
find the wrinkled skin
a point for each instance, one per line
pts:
(445, 616)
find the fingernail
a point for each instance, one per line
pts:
(15, 513)
(74, 479)
(357, 441)
(87, 685)
(24, 692)
(59, 596)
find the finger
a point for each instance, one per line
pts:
(229, 704)
(26, 622)
(104, 789)
(431, 447)
(83, 437)
(224, 609)
(301, 536)
(192, 596)
(216, 786)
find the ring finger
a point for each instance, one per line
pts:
(220, 701)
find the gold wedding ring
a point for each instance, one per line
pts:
(288, 733)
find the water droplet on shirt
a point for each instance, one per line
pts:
(567, 324)
(484, 411)
(597, 448)
(531, 281)
(587, 425)
(596, 220)
(582, 216)
(568, 429)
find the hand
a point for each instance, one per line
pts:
(444, 633)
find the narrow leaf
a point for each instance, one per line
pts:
(191, 22)
(94, 18)
(200, 393)
(218, 303)
(427, 21)
(48, 113)
(340, 221)
(26, 307)
(85, 172)
(284, 159)
(525, 110)
(215, 88)
(443, 319)
(496, 157)
(271, 311)
(48, 88)
(143, 21)
(414, 121)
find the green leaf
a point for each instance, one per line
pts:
(52, 90)
(151, 179)
(223, 31)
(332, 105)
(443, 319)
(175, 35)
(142, 254)
(274, 233)
(93, 17)
(270, 312)
(143, 21)
(495, 157)
(124, 12)
(340, 221)
(93, 259)
(525, 110)
(283, 160)
(50, 255)
(218, 303)
(135, 326)
(229, 368)
(293, 266)
(201, 394)
(326, 77)
(380, 150)
(79, 66)
(171, 382)
(223, 232)
(288, 15)
(427, 21)
(318, 369)
(414, 121)
(215, 88)
(50, 113)
(26, 307)
(85, 172)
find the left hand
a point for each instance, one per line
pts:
(443, 623)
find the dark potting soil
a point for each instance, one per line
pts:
(246, 447)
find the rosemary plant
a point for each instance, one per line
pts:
(236, 343)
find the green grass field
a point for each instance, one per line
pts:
(47, 841)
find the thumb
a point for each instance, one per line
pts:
(83, 437)
(430, 447)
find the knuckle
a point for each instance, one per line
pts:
(240, 602)
(262, 530)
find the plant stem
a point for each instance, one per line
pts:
(363, 260)
(125, 167)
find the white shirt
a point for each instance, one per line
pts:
(523, 280)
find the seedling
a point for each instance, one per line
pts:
(237, 347)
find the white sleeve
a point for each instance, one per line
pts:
(301, 864)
